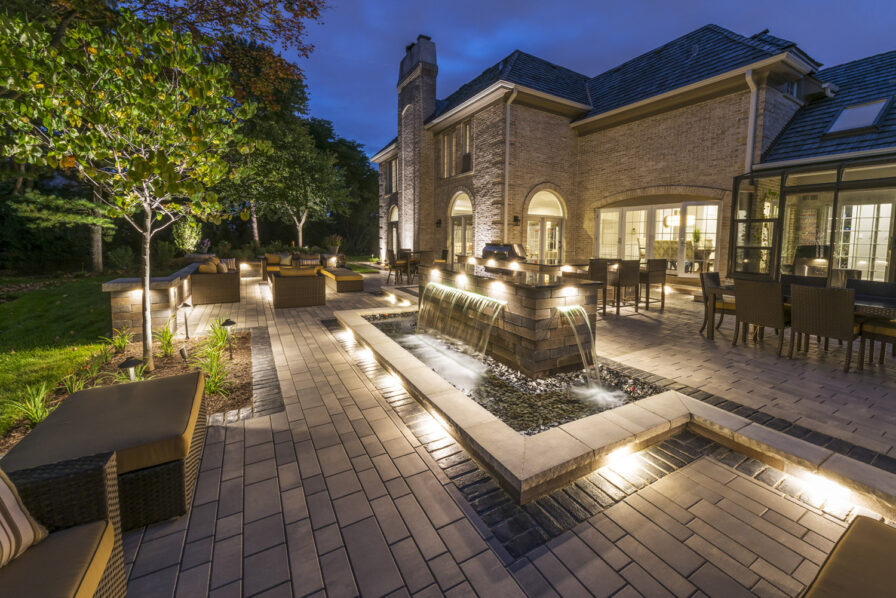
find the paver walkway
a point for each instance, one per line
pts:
(338, 496)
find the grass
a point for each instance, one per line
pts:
(47, 334)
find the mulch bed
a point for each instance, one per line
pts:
(239, 376)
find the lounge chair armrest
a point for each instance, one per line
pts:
(69, 493)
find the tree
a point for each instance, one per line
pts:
(137, 111)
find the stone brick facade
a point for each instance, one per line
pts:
(685, 152)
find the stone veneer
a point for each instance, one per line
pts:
(530, 335)
(166, 294)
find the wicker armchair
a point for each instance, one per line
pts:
(215, 288)
(825, 312)
(876, 329)
(760, 303)
(298, 291)
(77, 501)
(713, 280)
(627, 276)
(655, 274)
(598, 271)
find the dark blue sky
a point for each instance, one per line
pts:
(353, 71)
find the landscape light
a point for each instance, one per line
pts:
(186, 305)
(183, 353)
(228, 324)
(435, 274)
(130, 364)
(471, 260)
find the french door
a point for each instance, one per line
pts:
(544, 239)
(461, 236)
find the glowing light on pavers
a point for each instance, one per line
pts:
(435, 274)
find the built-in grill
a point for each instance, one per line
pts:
(504, 252)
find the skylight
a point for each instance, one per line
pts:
(858, 117)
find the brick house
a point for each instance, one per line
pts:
(633, 163)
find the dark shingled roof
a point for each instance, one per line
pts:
(385, 146)
(522, 69)
(699, 55)
(864, 80)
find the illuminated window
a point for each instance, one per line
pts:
(457, 151)
(390, 176)
(859, 118)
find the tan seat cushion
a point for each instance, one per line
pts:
(342, 274)
(725, 305)
(145, 423)
(274, 268)
(884, 327)
(69, 562)
(291, 272)
(272, 258)
(861, 563)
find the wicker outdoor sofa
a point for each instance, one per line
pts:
(215, 288)
(77, 501)
(156, 429)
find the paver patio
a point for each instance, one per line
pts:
(354, 489)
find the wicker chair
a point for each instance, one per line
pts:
(598, 271)
(298, 291)
(876, 329)
(655, 274)
(627, 276)
(215, 288)
(760, 303)
(395, 266)
(710, 280)
(77, 501)
(828, 313)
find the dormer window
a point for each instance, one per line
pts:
(859, 118)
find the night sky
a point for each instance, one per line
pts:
(353, 71)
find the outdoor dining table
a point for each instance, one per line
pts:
(865, 305)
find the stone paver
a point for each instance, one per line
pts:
(352, 490)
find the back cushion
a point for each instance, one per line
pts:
(18, 529)
(286, 259)
(222, 269)
(291, 272)
(272, 258)
(208, 268)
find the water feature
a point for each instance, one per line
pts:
(482, 310)
(570, 312)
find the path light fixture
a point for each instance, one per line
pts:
(186, 305)
(130, 364)
(228, 325)
(183, 353)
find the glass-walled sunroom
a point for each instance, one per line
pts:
(834, 222)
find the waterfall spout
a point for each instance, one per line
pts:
(462, 315)
(572, 313)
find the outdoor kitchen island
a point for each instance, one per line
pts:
(539, 323)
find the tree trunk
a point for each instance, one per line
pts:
(300, 224)
(96, 241)
(147, 313)
(253, 220)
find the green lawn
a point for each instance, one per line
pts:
(48, 333)
(359, 259)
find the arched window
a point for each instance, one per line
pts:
(461, 218)
(544, 228)
(392, 238)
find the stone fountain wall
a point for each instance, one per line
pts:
(530, 334)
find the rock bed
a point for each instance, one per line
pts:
(529, 405)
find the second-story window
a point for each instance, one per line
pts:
(457, 150)
(390, 175)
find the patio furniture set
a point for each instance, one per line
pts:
(623, 276)
(408, 263)
(863, 310)
(301, 280)
(106, 460)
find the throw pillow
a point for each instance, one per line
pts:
(230, 262)
(286, 259)
(208, 268)
(222, 269)
(19, 529)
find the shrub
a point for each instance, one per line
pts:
(33, 403)
(210, 360)
(186, 233)
(73, 383)
(121, 258)
(333, 241)
(166, 339)
(120, 339)
(164, 253)
(223, 249)
(204, 246)
(217, 334)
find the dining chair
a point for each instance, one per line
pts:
(760, 303)
(627, 276)
(655, 274)
(825, 312)
(598, 271)
(879, 328)
(396, 266)
(709, 280)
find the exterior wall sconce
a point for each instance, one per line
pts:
(516, 220)
(439, 223)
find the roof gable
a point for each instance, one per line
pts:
(860, 81)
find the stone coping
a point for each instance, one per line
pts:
(156, 282)
(531, 466)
